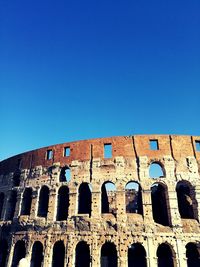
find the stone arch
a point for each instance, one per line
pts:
(84, 199)
(156, 170)
(108, 255)
(3, 252)
(43, 201)
(62, 203)
(193, 255)
(65, 174)
(82, 255)
(137, 256)
(19, 252)
(133, 198)
(160, 204)
(58, 258)
(2, 196)
(187, 203)
(165, 256)
(26, 201)
(108, 198)
(37, 254)
(11, 205)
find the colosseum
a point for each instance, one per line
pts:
(121, 201)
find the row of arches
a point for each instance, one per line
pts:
(136, 256)
(187, 203)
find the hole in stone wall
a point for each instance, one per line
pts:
(165, 256)
(84, 199)
(185, 200)
(26, 201)
(192, 254)
(156, 171)
(1, 204)
(197, 145)
(19, 252)
(108, 198)
(107, 151)
(82, 255)
(66, 151)
(16, 179)
(43, 202)
(63, 203)
(160, 207)
(153, 144)
(49, 154)
(137, 255)
(58, 254)
(133, 198)
(11, 205)
(3, 252)
(108, 255)
(65, 174)
(37, 254)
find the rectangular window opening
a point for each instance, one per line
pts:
(49, 154)
(154, 145)
(107, 151)
(66, 151)
(197, 143)
(19, 163)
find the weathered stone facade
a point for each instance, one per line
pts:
(53, 212)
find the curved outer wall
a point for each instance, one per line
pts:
(130, 161)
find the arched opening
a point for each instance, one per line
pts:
(16, 178)
(84, 199)
(185, 200)
(160, 204)
(165, 256)
(37, 254)
(108, 255)
(3, 252)
(1, 204)
(133, 198)
(26, 201)
(65, 174)
(63, 203)
(137, 256)
(58, 254)
(82, 255)
(108, 198)
(11, 205)
(19, 252)
(156, 170)
(192, 254)
(43, 202)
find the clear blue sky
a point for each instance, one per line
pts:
(73, 70)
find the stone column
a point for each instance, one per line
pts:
(18, 203)
(181, 254)
(52, 205)
(173, 206)
(34, 204)
(73, 203)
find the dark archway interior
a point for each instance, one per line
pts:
(108, 255)
(165, 257)
(43, 202)
(85, 199)
(16, 179)
(192, 254)
(133, 198)
(63, 203)
(159, 204)
(58, 254)
(137, 256)
(11, 205)
(19, 253)
(82, 255)
(3, 253)
(37, 254)
(65, 174)
(26, 202)
(104, 200)
(185, 203)
(1, 203)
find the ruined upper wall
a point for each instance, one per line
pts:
(176, 146)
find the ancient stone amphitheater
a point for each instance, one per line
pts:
(119, 201)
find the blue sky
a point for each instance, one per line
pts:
(73, 70)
